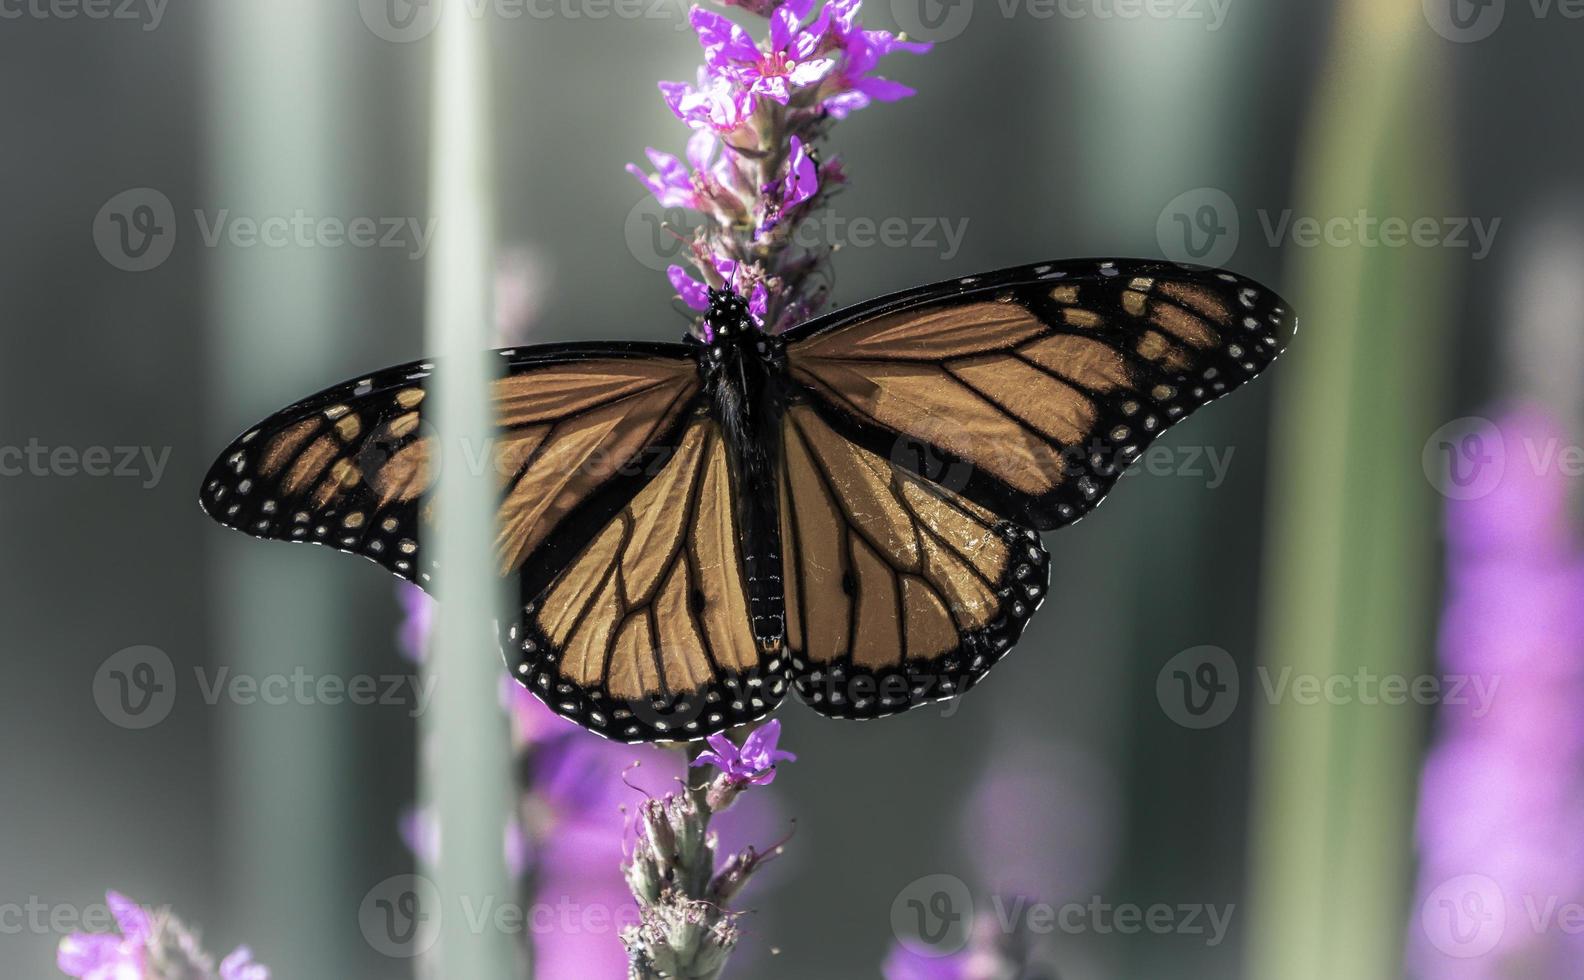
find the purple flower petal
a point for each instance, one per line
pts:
(809, 72)
(131, 918)
(802, 181)
(694, 293)
(759, 302)
(724, 42)
(783, 28)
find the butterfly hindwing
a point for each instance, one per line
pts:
(1030, 391)
(645, 633)
(899, 592)
(353, 466)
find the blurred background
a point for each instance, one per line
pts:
(1305, 700)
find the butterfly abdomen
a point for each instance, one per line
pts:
(747, 386)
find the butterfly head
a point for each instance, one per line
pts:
(729, 317)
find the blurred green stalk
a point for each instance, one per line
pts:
(464, 738)
(1352, 559)
(279, 119)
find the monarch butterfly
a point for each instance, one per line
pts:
(851, 509)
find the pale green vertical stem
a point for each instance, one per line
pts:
(465, 739)
(278, 316)
(1352, 556)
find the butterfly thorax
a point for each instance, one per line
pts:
(744, 374)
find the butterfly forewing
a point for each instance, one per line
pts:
(645, 634)
(1030, 391)
(354, 466)
(898, 591)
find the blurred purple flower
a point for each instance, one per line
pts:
(1502, 790)
(420, 831)
(240, 966)
(906, 964)
(107, 956)
(149, 946)
(754, 763)
(417, 620)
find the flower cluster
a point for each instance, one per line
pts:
(685, 928)
(151, 945)
(752, 170)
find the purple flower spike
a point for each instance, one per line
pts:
(760, 104)
(754, 763)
